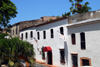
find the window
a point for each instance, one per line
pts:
(31, 34)
(43, 53)
(62, 56)
(44, 34)
(73, 39)
(74, 60)
(82, 35)
(26, 35)
(62, 31)
(85, 61)
(16, 30)
(52, 36)
(38, 35)
(13, 32)
(22, 36)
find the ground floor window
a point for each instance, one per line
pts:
(43, 53)
(85, 61)
(62, 55)
(74, 60)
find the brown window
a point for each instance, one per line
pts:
(52, 36)
(44, 34)
(82, 35)
(74, 60)
(73, 38)
(62, 55)
(22, 36)
(85, 61)
(62, 30)
(26, 35)
(31, 34)
(38, 35)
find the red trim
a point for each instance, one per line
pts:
(46, 49)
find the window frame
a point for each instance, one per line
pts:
(22, 36)
(73, 39)
(62, 30)
(44, 34)
(62, 60)
(13, 32)
(26, 35)
(52, 33)
(38, 35)
(31, 34)
(43, 53)
(82, 41)
(81, 63)
(74, 60)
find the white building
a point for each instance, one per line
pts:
(79, 48)
(84, 40)
(49, 41)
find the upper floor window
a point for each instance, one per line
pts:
(62, 30)
(44, 34)
(26, 35)
(31, 34)
(16, 30)
(38, 35)
(73, 38)
(82, 36)
(22, 36)
(52, 34)
(62, 55)
(13, 32)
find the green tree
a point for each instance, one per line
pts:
(7, 11)
(50, 19)
(12, 49)
(77, 7)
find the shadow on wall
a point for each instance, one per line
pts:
(66, 52)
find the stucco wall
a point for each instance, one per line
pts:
(92, 38)
(55, 43)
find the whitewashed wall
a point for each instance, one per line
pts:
(92, 38)
(55, 43)
(29, 39)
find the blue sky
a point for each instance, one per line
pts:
(35, 9)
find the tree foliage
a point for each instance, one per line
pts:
(12, 49)
(77, 7)
(7, 11)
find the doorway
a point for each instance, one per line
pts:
(49, 57)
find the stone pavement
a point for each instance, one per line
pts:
(43, 64)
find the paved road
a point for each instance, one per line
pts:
(39, 65)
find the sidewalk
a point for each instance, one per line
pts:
(43, 63)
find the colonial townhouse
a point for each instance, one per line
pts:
(71, 41)
(49, 47)
(84, 40)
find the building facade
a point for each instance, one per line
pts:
(71, 41)
(50, 46)
(26, 24)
